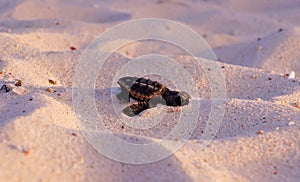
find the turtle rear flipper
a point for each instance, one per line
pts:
(136, 108)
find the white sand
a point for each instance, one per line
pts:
(39, 136)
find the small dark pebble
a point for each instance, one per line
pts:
(263, 119)
(57, 23)
(52, 82)
(31, 99)
(222, 66)
(258, 38)
(26, 152)
(74, 134)
(269, 78)
(280, 30)
(5, 88)
(73, 48)
(23, 111)
(51, 90)
(58, 94)
(122, 127)
(18, 83)
(208, 69)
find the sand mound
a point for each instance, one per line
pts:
(277, 52)
(30, 128)
(80, 10)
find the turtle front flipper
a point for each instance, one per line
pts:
(124, 96)
(136, 108)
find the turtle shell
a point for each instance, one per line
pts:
(140, 88)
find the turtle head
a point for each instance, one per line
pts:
(182, 98)
(127, 81)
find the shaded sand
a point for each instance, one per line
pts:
(39, 136)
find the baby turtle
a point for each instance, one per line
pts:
(148, 93)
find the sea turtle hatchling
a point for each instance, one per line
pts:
(148, 93)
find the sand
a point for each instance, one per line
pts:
(256, 42)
